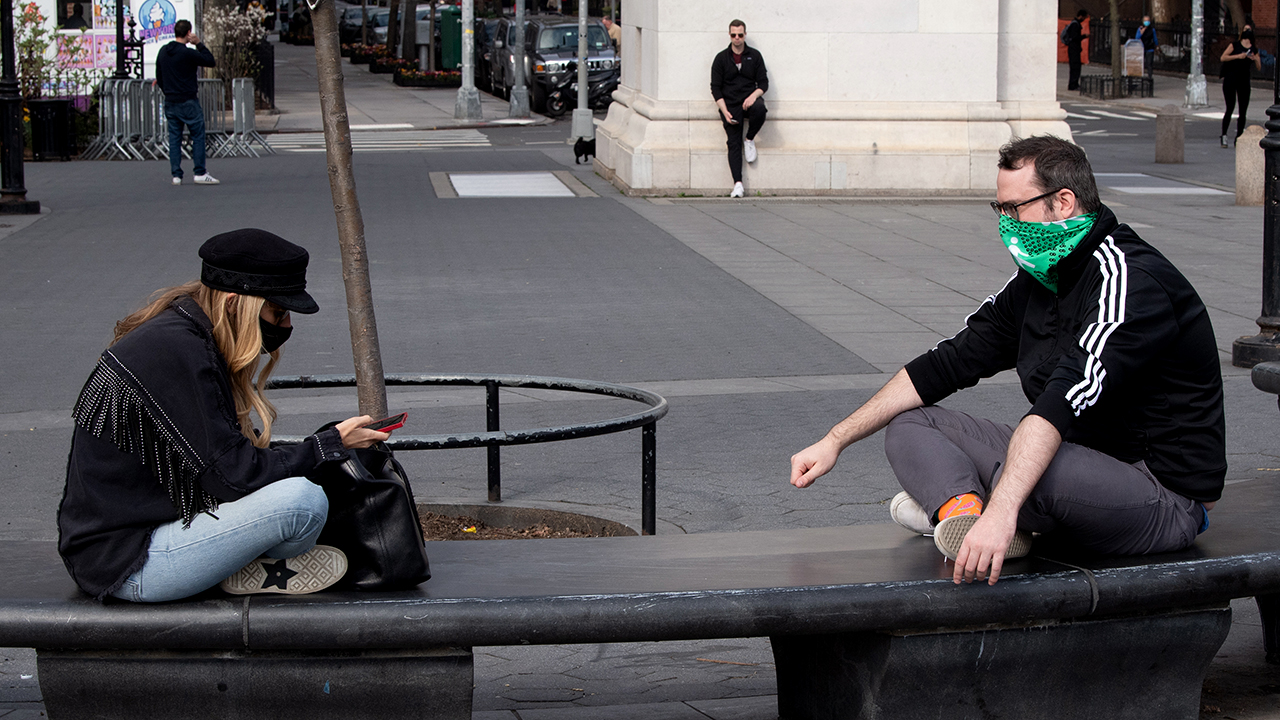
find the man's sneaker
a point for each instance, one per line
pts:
(1224, 141)
(177, 181)
(907, 512)
(206, 179)
(312, 571)
(749, 150)
(948, 536)
(738, 190)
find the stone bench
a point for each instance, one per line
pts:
(864, 622)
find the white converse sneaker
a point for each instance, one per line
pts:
(749, 150)
(907, 512)
(206, 179)
(177, 181)
(738, 191)
(948, 536)
(312, 571)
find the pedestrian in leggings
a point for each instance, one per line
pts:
(1236, 61)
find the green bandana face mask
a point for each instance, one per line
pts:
(1038, 247)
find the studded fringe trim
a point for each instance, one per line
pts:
(112, 409)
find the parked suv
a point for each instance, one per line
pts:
(551, 43)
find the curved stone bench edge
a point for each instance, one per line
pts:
(401, 620)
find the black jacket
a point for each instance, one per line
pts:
(176, 70)
(1122, 359)
(1074, 35)
(157, 440)
(734, 85)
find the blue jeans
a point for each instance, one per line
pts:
(281, 520)
(190, 114)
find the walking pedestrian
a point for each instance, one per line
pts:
(738, 82)
(1072, 36)
(1236, 61)
(176, 74)
(1147, 34)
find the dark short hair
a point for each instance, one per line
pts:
(1058, 164)
(1082, 14)
(738, 23)
(182, 28)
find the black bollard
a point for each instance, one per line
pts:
(13, 195)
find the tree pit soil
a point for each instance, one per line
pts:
(462, 527)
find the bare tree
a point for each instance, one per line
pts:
(409, 45)
(370, 385)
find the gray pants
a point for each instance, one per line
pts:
(1085, 498)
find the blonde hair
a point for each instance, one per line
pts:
(239, 339)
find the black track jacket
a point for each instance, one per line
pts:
(734, 85)
(1122, 359)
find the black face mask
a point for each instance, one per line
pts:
(273, 336)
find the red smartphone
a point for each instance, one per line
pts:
(387, 424)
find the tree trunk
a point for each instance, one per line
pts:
(409, 44)
(393, 27)
(1117, 52)
(370, 386)
(1161, 12)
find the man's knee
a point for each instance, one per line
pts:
(900, 436)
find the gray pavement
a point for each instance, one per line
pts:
(762, 321)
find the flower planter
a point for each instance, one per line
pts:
(406, 80)
(386, 67)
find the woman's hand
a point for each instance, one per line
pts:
(355, 435)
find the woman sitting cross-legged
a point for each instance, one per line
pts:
(170, 487)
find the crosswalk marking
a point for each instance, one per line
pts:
(418, 140)
(1118, 116)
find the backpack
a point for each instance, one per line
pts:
(1065, 36)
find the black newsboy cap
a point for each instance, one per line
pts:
(256, 262)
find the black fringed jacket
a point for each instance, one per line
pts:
(157, 440)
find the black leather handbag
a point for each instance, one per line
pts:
(374, 520)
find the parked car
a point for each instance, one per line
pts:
(382, 18)
(484, 32)
(551, 43)
(349, 23)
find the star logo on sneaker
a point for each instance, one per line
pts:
(278, 574)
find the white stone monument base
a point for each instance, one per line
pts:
(647, 148)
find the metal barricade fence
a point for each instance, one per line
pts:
(132, 126)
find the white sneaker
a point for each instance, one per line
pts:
(206, 179)
(749, 150)
(907, 512)
(738, 190)
(177, 181)
(312, 571)
(949, 534)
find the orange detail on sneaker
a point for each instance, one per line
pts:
(966, 504)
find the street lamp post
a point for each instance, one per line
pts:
(467, 106)
(583, 125)
(121, 72)
(519, 93)
(1197, 94)
(13, 195)
(1265, 346)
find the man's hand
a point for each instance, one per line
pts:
(728, 117)
(192, 38)
(751, 100)
(813, 462)
(982, 553)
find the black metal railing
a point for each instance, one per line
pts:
(494, 437)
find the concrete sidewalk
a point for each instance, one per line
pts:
(762, 321)
(374, 102)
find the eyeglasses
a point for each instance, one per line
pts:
(1011, 208)
(737, 35)
(277, 314)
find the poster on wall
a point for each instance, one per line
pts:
(155, 20)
